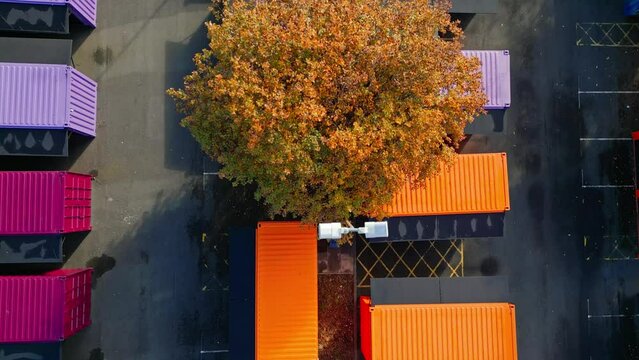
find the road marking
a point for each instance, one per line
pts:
(213, 351)
(584, 186)
(602, 92)
(608, 92)
(605, 139)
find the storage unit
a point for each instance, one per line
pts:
(45, 16)
(286, 323)
(495, 69)
(44, 308)
(47, 97)
(476, 183)
(440, 332)
(44, 202)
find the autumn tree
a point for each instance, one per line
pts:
(330, 105)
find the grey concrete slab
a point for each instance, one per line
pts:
(475, 289)
(36, 50)
(405, 291)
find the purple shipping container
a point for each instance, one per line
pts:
(495, 68)
(44, 308)
(44, 202)
(37, 96)
(84, 10)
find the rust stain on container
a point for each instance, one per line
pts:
(476, 183)
(444, 332)
(286, 323)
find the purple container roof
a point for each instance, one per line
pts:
(84, 10)
(40, 96)
(495, 68)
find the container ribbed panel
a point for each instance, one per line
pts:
(32, 309)
(83, 97)
(44, 308)
(444, 332)
(31, 202)
(495, 68)
(85, 10)
(32, 96)
(77, 202)
(44, 202)
(40, 96)
(476, 183)
(286, 323)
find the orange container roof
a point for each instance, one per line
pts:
(444, 332)
(286, 291)
(476, 183)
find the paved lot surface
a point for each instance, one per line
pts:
(159, 245)
(572, 226)
(161, 275)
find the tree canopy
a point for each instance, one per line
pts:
(329, 106)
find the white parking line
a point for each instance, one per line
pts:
(584, 186)
(605, 139)
(601, 92)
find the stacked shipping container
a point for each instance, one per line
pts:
(41, 106)
(45, 308)
(438, 331)
(476, 183)
(286, 325)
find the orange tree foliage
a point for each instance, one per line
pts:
(330, 105)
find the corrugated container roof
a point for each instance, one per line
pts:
(476, 183)
(44, 308)
(495, 68)
(84, 10)
(444, 332)
(286, 323)
(41, 96)
(44, 202)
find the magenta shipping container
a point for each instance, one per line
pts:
(83, 10)
(44, 308)
(39, 96)
(44, 202)
(495, 68)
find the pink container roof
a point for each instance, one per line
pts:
(44, 308)
(44, 202)
(495, 68)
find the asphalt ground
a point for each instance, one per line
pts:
(159, 244)
(570, 239)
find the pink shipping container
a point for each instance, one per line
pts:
(44, 308)
(44, 202)
(495, 68)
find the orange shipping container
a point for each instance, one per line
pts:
(443, 332)
(286, 291)
(476, 183)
